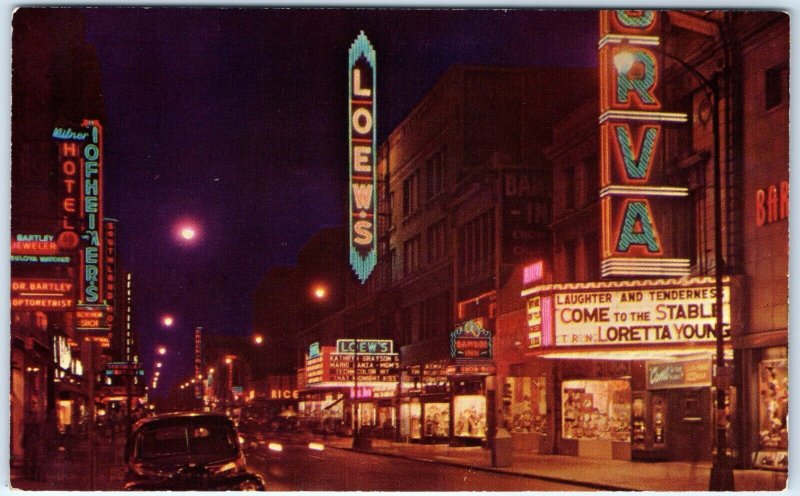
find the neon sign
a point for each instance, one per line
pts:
(70, 192)
(772, 204)
(471, 340)
(362, 133)
(91, 318)
(110, 250)
(533, 273)
(635, 199)
(92, 214)
(368, 346)
(34, 244)
(42, 294)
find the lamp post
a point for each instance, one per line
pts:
(721, 470)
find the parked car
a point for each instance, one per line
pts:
(187, 452)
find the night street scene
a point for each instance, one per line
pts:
(328, 249)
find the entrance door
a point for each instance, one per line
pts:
(688, 432)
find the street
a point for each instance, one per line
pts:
(299, 468)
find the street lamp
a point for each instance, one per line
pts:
(188, 233)
(721, 470)
(167, 320)
(258, 339)
(162, 350)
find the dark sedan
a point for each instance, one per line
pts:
(187, 452)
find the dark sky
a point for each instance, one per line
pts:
(236, 119)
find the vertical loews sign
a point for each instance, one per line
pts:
(637, 203)
(363, 189)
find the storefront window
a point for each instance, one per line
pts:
(469, 416)
(525, 405)
(773, 403)
(367, 413)
(596, 409)
(437, 419)
(415, 414)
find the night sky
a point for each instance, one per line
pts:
(235, 120)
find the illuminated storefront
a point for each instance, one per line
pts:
(350, 386)
(443, 387)
(634, 367)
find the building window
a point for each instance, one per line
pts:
(391, 210)
(411, 194)
(434, 316)
(476, 246)
(776, 88)
(570, 260)
(405, 325)
(591, 245)
(435, 174)
(569, 187)
(396, 270)
(437, 241)
(411, 255)
(592, 183)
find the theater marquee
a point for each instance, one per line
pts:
(667, 311)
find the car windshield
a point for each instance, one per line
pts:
(210, 441)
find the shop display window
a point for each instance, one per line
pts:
(773, 389)
(366, 413)
(415, 414)
(469, 415)
(437, 419)
(596, 409)
(525, 405)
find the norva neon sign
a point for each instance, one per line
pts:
(636, 200)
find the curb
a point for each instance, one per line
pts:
(546, 478)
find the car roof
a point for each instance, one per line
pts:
(179, 418)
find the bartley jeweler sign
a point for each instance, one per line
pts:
(667, 311)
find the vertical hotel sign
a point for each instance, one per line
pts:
(637, 203)
(362, 134)
(81, 224)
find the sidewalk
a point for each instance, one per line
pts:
(74, 474)
(594, 473)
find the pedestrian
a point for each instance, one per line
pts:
(30, 442)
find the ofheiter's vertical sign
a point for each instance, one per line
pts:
(91, 280)
(637, 203)
(363, 190)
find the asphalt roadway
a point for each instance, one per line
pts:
(287, 463)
